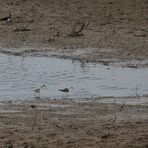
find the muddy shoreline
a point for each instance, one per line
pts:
(76, 55)
(117, 29)
(68, 123)
(117, 32)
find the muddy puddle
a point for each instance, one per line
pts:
(19, 76)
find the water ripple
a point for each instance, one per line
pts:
(18, 78)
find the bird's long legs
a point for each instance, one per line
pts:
(65, 94)
(37, 95)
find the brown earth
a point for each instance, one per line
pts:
(73, 124)
(118, 28)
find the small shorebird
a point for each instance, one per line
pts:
(66, 90)
(7, 18)
(38, 91)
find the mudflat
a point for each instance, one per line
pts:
(73, 123)
(117, 31)
(117, 28)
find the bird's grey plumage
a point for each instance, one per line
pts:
(66, 90)
(38, 91)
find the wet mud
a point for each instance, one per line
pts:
(117, 33)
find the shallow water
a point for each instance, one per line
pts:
(19, 76)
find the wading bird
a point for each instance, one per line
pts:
(37, 92)
(7, 18)
(66, 90)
